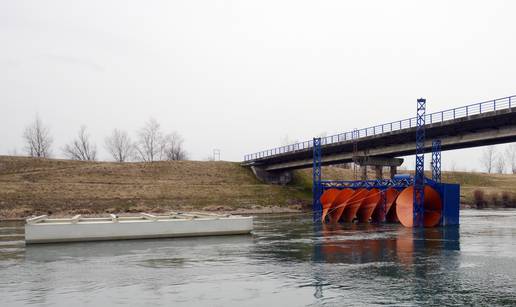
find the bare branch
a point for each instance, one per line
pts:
(487, 159)
(37, 139)
(81, 148)
(500, 164)
(510, 154)
(149, 146)
(173, 147)
(119, 145)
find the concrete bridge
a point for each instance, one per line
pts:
(486, 123)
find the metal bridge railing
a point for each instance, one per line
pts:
(432, 118)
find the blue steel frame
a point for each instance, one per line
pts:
(316, 180)
(419, 177)
(436, 160)
(437, 117)
(381, 184)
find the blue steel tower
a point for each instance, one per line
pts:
(316, 180)
(419, 177)
(436, 160)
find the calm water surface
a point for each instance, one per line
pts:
(286, 262)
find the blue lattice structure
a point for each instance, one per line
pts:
(381, 184)
(419, 177)
(436, 160)
(449, 193)
(316, 179)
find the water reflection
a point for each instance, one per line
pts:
(127, 248)
(371, 243)
(373, 251)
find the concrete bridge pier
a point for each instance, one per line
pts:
(378, 169)
(394, 171)
(363, 172)
(272, 177)
(378, 163)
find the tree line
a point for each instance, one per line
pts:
(497, 161)
(151, 144)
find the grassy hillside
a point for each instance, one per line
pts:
(493, 186)
(41, 186)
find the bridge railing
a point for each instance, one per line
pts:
(432, 118)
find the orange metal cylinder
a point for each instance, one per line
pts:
(432, 207)
(339, 204)
(382, 214)
(368, 205)
(327, 199)
(353, 204)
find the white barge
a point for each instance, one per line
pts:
(42, 229)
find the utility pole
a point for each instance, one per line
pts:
(216, 154)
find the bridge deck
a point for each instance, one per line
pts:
(486, 123)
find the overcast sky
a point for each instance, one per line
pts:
(243, 75)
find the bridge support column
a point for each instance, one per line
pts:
(378, 163)
(394, 171)
(363, 170)
(378, 171)
(277, 177)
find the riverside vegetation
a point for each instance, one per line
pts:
(33, 186)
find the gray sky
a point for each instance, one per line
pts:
(241, 75)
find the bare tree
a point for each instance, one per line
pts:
(37, 139)
(13, 152)
(500, 164)
(487, 159)
(150, 144)
(81, 148)
(209, 158)
(322, 134)
(453, 166)
(173, 147)
(119, 145)
(510, 154)
(285, 140)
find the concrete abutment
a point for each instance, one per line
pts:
(378, 163)
(272, 177)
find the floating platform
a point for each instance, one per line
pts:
(42, 229)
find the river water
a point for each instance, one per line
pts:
(287, 261)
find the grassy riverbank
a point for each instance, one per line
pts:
(60, 187)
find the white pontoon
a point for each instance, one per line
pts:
(43, 229)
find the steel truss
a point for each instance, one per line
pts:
(436, 160)
(316, 180)
(419, 177)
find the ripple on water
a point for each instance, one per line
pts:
(158, 263)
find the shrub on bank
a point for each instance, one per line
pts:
(479, 199)
(506, 199)
(494, 200)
